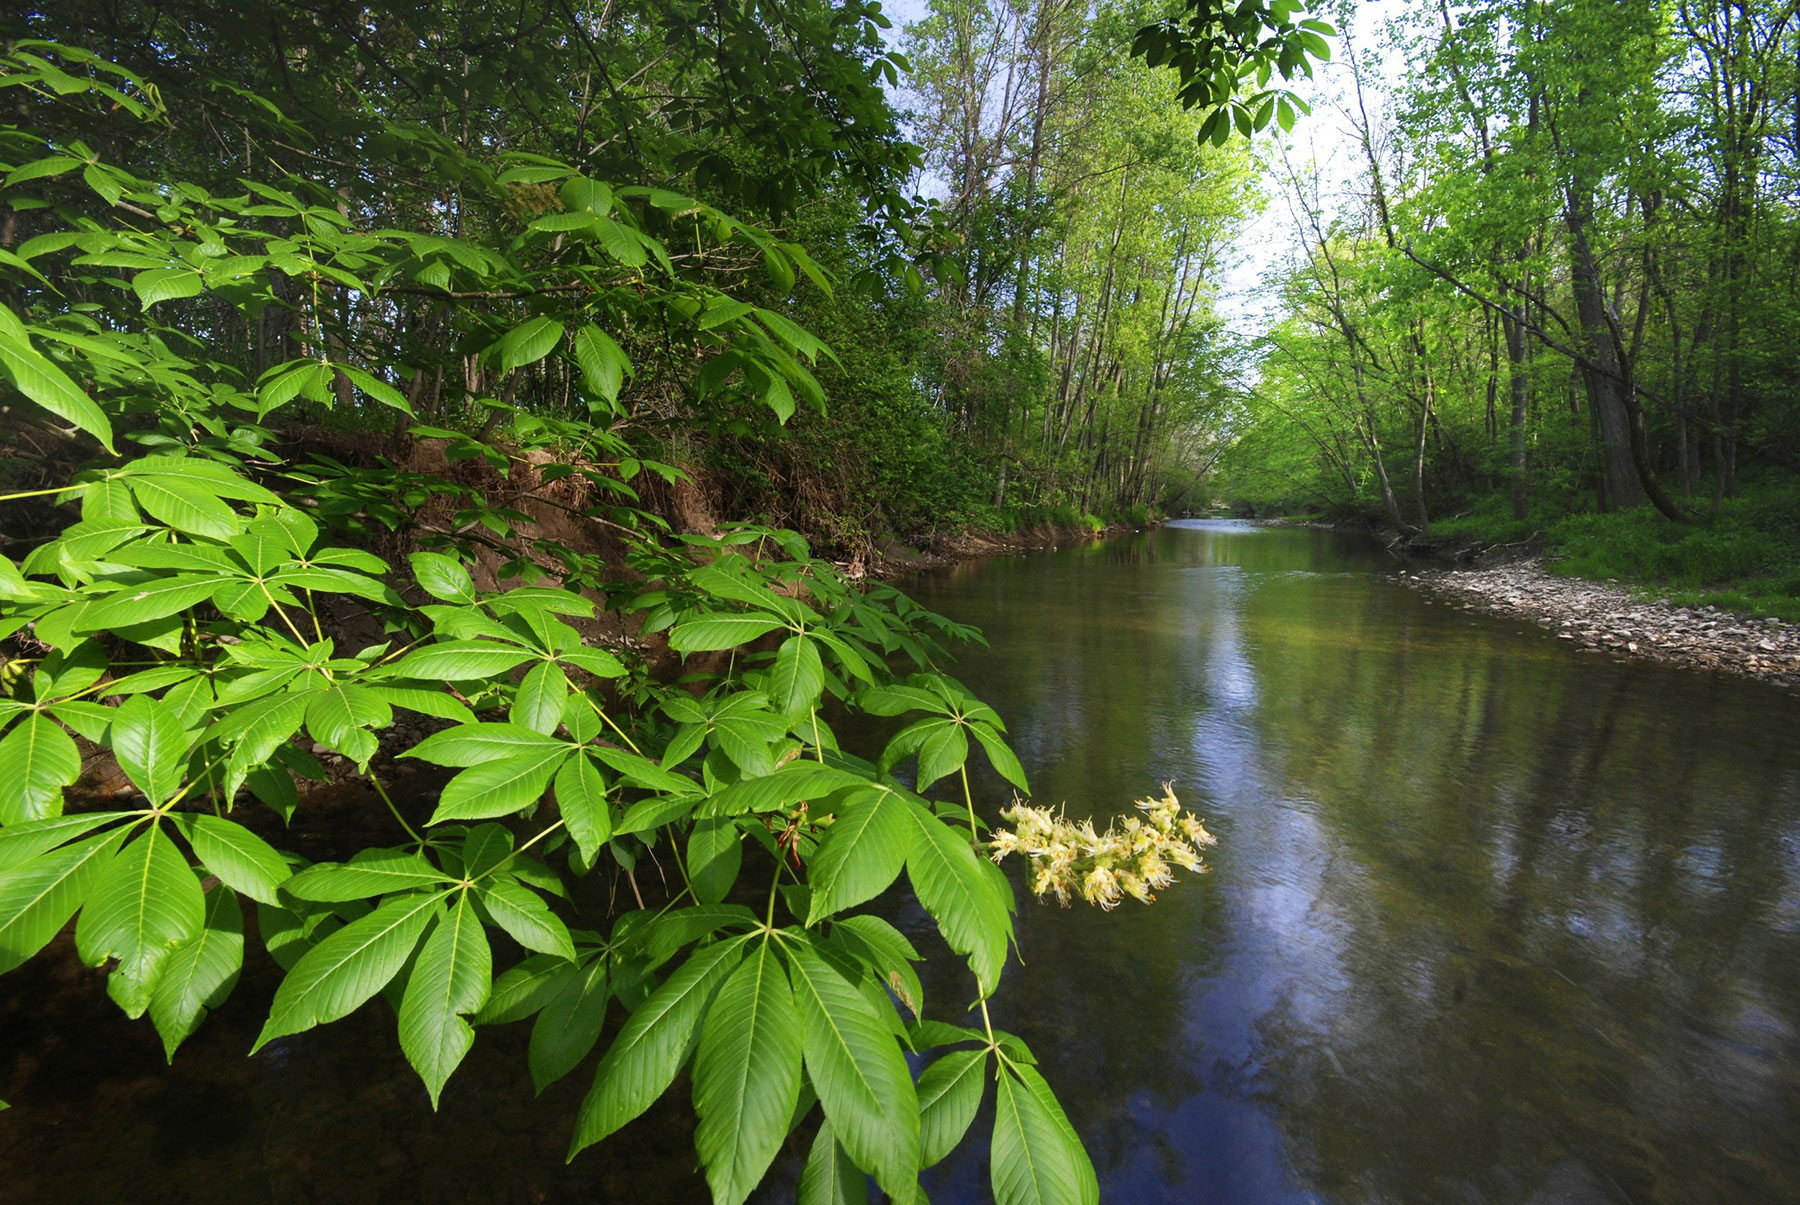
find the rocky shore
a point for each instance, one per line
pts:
(1614, 619)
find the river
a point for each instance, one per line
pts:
(1490, 919)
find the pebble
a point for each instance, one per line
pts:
(1608, 617)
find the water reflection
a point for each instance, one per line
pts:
(1492, 919)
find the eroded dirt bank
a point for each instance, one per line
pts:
(1614, 619)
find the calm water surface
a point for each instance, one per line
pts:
(1490, 920)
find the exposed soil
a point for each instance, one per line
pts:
(1613, 618)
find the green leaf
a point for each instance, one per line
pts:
(542, 694)
(200, 972)
(242, 860)
(715, 851)
(37, 760)
(797, 676)
(711, 633)
(443, 577)
(641, 772)
(523, 990)
(368, 873)
(460, 661)
(452, 977)
(1001, 755)
(186, 505)
(146, 903)
(21, 842)
(581, 798)
(376, 388)
(861, 853)
(603, 365)
(1035, 1084)
(597, 662)
(643, 1060)
(942, 751)
(151, 744)
(146, 601)
(526, 918)
(569, 1025)
(529, 342)
(341, 973)
(499, 788)
(949, 880)
(746, 1075)
(886, 950)
(793, 782)
(949, 1095)
(855, 1066)
(39, 379)
(830, 1177)
(1031, 1162)
(165, 284)
(38, 897)
(475, 744)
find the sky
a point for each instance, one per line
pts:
(1326, 137)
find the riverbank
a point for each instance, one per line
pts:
(1615, 619)
(897, 560)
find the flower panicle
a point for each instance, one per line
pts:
(1134, 857)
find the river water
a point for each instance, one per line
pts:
(1490, 919)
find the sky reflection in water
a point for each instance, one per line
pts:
(1491, 919)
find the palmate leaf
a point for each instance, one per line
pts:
(643, 1060)
(38, 378)
(1001, 755)
(581, 798)
(37, 760)
(187, 505)
(146, 903)
(341, 973)
(714, 853)
(830, 1177)
(712, 633)
(522, 990)
(972, 911)
(861, 853)
(38, 896)
(797, 677)
(569, 1024)
(499, 788)
(855, 1066)
(476, 744)
(241, 859)
(151, 744)
(746, 1075)
(526, 918)
(452, 976)
(21, 842)
(949, 1095)
(542, 695)
(200, 972)
(1034, 1159)
(1034, 1083)
(460, 661)
(146, 601)
(368, 873)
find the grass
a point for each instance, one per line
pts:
(1746, 558)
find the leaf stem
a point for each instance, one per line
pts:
(382, 791)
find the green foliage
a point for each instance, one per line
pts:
(183, 616)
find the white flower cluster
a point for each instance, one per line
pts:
(1134, 857)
